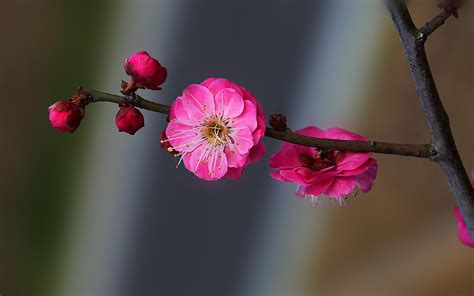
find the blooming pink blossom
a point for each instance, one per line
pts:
(216, 127)
(145, 71)
(65, 116)
(335, 174)
(463, 232)
(129, 119)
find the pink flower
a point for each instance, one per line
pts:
(145, 71)
(129, 119)
(65, 116)
(216, 127)
(463, 232)
(335, 174)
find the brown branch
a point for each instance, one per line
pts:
(437, 21)
(438, 122)
(421, 151)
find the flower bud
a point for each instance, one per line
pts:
(65, 116)
(278, 121)
(145, 72)
(129, 119)
(165, 144)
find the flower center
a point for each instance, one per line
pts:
(215, 131)
(321, 160)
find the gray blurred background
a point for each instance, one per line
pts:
(103, 213)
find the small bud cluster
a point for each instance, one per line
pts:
(145, 73)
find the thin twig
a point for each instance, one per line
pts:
(438, 122)
(437, 21)
(421, 151)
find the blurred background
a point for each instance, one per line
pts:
(104, 213)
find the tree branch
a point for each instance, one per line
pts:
(437, 21)
(438, 122)
(421, 151)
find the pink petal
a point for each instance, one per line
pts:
(259, 132)
(293, 176)
(341, 186)
(181, 134)
(358, 171)
(229, 103)
(235, 159)
(317, 188)
(249, 96)
(351, 160)
(198, 101)
(366, 180)
(312, 131)
(215, 85)
(316, 176)
(201, 167)
(248, 117)
(177, 111)
(463, 232)
(285, 159)
(243, 140)
(342, 134)
(234, 173)
(278, 176)
(257, 152)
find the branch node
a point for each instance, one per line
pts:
(420, 37)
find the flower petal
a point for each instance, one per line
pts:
(342, 134)
(463, 232)
(317, 188)
(215, 85)
(257, 152)
(312, 131)
(235, 159)
(207, 165)
(347, 160)
(293, 176)
(234, 173)
(198, 102)
(229, 103)
(285, 159)
(181, 137)
(248, 117)
(366, 180)
(341, 186)
(277, 176)
(243, 140)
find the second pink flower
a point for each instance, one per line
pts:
(334, 174)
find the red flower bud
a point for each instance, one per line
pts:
(145, 71)
(65, 116)
(165, 144)
(129, 120)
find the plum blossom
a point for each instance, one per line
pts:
(216, 129)
(65, 116)
(145, 71)
(335, 174)
(463, 232)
